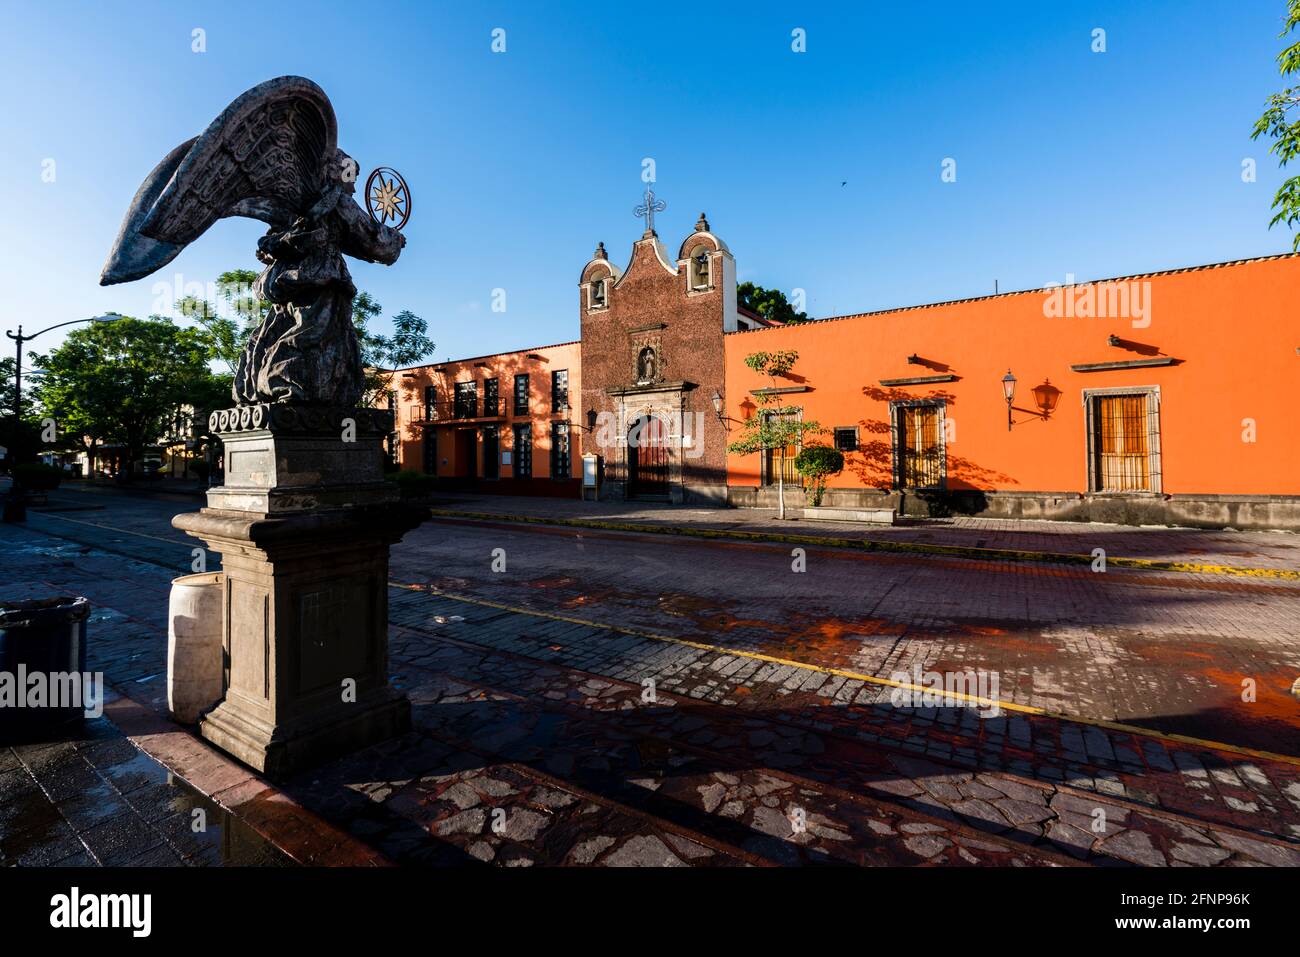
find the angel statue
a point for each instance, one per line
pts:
(271, 155)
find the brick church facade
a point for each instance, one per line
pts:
(1164, 398)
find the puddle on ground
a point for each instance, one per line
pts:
(35, 830)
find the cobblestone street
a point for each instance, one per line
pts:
(615, 698)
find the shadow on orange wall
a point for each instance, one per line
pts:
(873, 462)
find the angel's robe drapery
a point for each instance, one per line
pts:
(306, 349)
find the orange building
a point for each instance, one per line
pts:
(1162, 398)
(502, 421)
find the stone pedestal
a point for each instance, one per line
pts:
(303, 523)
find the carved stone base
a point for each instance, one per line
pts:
(280, 751)
(305, 603)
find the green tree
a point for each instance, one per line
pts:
(383, 355)
(226, 331)
(1280, 124)
(774, 427)
(768, 303)
(122, 381)
(815, 463)
(20, 437)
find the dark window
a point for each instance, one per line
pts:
(491, 397)
(846, 438)
(491, 452)
(559, 390)
(523, 450)
(392, 436)
(521, 394)
(466, 400)
(430, 452)
(430, 403)
(560, 450)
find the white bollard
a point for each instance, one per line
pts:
(194, 633)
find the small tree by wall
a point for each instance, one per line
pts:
(815, 463)
(774, 427)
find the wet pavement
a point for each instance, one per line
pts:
(100, 801)
(612, 699)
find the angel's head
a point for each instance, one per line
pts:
(344, 171)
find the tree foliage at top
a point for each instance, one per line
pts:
(768, 303)
(1280, 124)
(123, 381)
(226, 334)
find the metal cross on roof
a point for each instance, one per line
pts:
(648, 210)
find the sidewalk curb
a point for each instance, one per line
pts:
(877, 545)
(298, 833)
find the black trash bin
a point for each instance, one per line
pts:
(42, 636)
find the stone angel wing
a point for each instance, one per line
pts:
(267, 157)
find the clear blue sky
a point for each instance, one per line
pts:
(1068, 161)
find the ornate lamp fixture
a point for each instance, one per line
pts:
(1009, 392)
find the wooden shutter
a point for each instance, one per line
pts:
(1123, 452)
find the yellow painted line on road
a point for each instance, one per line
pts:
(114, 528)
(873, 545)
(870, 679)
(838, 672)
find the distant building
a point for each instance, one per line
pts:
(1157, 398)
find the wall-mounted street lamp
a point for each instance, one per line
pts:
(1046, 397)
(1009, 392)
(913, 360)
(1113, 340)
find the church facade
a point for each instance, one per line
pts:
(1163, 398)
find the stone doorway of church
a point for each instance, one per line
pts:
(647, 459)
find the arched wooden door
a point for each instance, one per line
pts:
(647, 457)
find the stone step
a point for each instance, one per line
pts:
(869, 516)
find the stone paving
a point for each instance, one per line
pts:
(99, 801)
(536, 743)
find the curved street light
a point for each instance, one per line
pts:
(19, 338)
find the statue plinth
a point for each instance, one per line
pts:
(303, 523)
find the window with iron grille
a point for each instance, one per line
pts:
(1123, 440)
(523, 451)
(560, 462)
(773, 465)
(521, 394)
(846, 438)
(466, 400)
(430, 403)
(920, 459)
(559, 390)
(491, 399)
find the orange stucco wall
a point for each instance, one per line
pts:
(1233, 329)
(452, 451)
